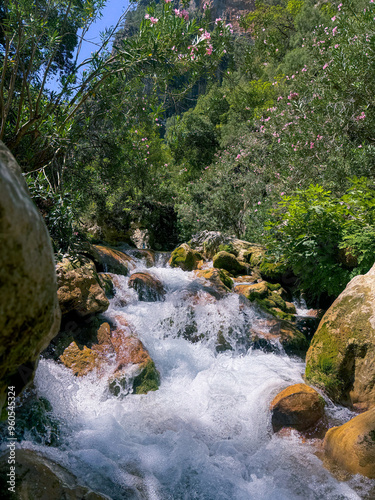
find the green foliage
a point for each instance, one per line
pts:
(57, 211)
(310, 227)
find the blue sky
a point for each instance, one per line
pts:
(110, 15)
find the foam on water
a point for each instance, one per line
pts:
(206, 433)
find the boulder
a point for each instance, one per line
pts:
(29, 310)
(341, 358)
(39, 477)
(218, 280)
(185, 257)
(149, 288)
(111, 260)
(228, 262)
(352, 445)
(269, 334)
(79, 288)
(298, 406)
(209, 243)
(269, 297)
(120, 355)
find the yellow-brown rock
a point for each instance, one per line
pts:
(79, 289)
(352, 445)
(217, 279)
(29, 311)
(80, 361)
(119, 354)
(149, 288)
(298, 406)
(111, 260)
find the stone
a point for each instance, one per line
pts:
(352, 445)
(118, 354)
(254, 291)
(149, 288)
(298, 406)
(29, 311)
(268, 334)
(111, 260)
(209, 243)
(341, 357)
(39, 477)
(185, 257)
(217, 279)
(79, 289)
(228, 262)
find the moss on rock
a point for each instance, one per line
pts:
(185, 257)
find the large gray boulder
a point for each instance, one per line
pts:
(29, 310)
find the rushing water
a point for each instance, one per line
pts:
(206, 433)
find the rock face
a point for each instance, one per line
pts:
(185, 257)
(352, 445)
(40, 477)
(341, 358)
(298, 406)
(79, 288)
(149, 288)
(227, 261)
(29, 310)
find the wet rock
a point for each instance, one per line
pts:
(149, 288)
(185, 257)
(269, 334)
(110, 260)
(79, 289)
(147, 255)
(228, 262)
(80, 360)
(119, 355)
(29, 310)
(298, 406)
(269, 297)
(38, 477)
(352, 445)
(218, 280)
(341, 358)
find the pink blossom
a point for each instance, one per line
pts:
(168, 1)
(153, 20)
(282, 193)
(209, 50)
(362, 116)
(206, 35)
(217, 20)
(147, 16)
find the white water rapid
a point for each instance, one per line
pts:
(206, 433)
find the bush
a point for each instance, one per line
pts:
(313, 230)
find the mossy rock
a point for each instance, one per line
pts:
(185, 257)
(273, 271)
(228, 262)
(147, 380)
(341, 358)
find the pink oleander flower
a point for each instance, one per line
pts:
(153, 20)
(217, 20)
(206, 35)
(147, 16)
(209, 50)
(362, 116)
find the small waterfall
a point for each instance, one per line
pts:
(206, 433)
